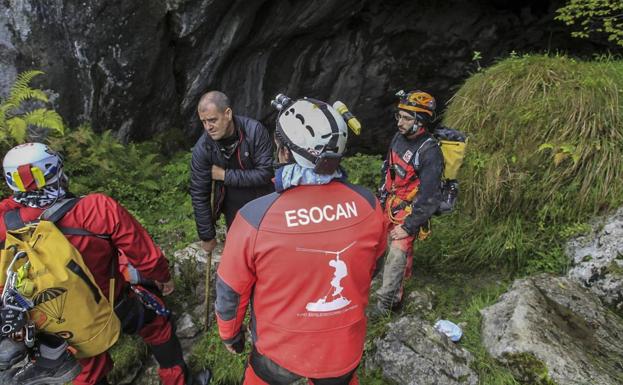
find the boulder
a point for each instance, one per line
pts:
(414, 353)
(597, 259)
(548, 328)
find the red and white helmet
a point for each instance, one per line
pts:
(309, 128)
(32, 166)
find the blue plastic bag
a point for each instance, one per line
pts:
(450, 329)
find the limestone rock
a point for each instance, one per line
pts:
(598, 260)
(186, 328)
(414, 353)
(551, 325)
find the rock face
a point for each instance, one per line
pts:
(139, 67)
(413, 353)
(551, 326)
(598, 260)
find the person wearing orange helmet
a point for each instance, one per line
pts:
(410, 193)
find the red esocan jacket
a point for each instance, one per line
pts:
(102, 215)
(304, 260)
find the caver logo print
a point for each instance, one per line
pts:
(52, 302)
(331, 301)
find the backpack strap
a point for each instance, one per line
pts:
(58, 210)
(55, 212)
(416, 158)
(12, 220)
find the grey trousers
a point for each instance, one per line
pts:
(390, 292)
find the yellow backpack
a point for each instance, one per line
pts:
(453, 144)
(53, 278)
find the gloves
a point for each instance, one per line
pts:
(237, 346)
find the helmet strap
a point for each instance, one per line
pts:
(417, 129)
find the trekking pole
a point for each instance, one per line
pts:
(208, 280)
(207, 290)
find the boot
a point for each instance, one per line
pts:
(11, 352)
(378, 311)
(6, 377)
(200, 378)
(51, 363)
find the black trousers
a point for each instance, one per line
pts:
(273, 374)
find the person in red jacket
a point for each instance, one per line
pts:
(302, 258)
(35, 174)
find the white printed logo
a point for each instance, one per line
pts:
(328, 213)
(337, 301)
(407, 156)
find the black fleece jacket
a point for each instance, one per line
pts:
(429, 171)
(248, 173)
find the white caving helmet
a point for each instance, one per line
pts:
(32, 166)
(313, 131)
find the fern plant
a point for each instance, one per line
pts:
(17, 116)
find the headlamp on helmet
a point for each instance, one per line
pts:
(419, 103)
(32, 166)
(313, 131)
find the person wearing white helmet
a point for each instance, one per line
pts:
(303, 257)
(35, 174)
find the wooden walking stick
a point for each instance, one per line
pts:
(207, 290)
(208, 280)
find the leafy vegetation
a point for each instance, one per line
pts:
(594, 17)
(23, 115)
(364, 170)
(544, 156)
(128, 354)
(154, 188)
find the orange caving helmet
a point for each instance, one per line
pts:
(417, 101)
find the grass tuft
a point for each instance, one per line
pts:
(544, 155)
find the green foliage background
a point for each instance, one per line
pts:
(594, 17)
(24, 113)
(544, 156)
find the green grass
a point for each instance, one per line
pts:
(542, 130)
(227, 368)
(128, 352)
(544, 156)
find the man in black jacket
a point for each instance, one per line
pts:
(234, 152)
(410, 193)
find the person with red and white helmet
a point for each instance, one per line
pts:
(411, 191)
(35, 174)
(302, 259)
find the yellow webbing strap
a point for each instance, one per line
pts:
(111, 292)
(424, 232)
